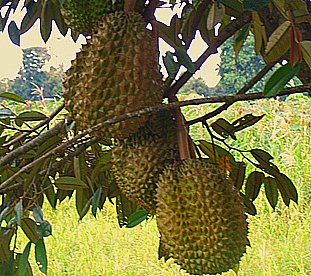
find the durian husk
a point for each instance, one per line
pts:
(200, 217)
(138, 161)
(115, 73)
(81, 15)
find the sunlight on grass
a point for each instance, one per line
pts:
(280, 240)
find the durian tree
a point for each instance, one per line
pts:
(119, 135)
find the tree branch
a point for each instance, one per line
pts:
(226, 32)
(243, 90)
(41, 124)
(149, 110)
(31, 144)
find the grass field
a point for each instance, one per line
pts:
(280, 240)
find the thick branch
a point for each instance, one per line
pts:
(226, 32)
(155, 109)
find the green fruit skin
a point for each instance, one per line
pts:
(138, 161)
(115, 73)
(200, 216)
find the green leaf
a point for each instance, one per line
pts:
(253, 184)
(251, 5)
(5, 113)
(136, 218)
(261, 156)
(14, 33)
(223, 128)
(37, 214)
(184, 59)
(238, 174)
(171, 66)
(23, 261)
(215, 15)
(40, 255)
(44, 229)
(211, 149)
(83, 202)
(4, 213)
(271, 190)
(250, 208)
(279, 79)
(19, 211)
(125, 208)
(306, 51)
(95, 200)
(31, 116)
(286, 187)
(239, 38)
(69, 183)
(13, 97)
(29, 228)
(246, 121)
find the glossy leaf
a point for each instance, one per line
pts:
(278, 43)
(279, 79)
(246, 121)
(40, 255)
(31, 116)
(14, 33)
(286, 187)
(215, 15)
(306, 51)
(23, 260)
(69, 183)
(261, 156)
(96, 200)
(83, 202)
(295, 53)
(238, 174)
(249, 206)
(259, 32)
(19, 211)
(33, 13)
(4, 212)
(223, 128)
(125, 208)
(37, 214)
(253, 184)
(44, 229)
(211, 149)
(251, 5)
(171, 66)
(184, 59)
(238, 39)
(29, 228)
(271, 190)
(5, 113)
(13, 97)
(136, 218)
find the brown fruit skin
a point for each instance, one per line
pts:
(115, 73)
(200, 217)
(138, 161)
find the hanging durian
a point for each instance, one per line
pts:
(115, 73)
(138, 161)
(81, 15)
(200, 216)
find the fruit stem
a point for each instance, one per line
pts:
(182, 134)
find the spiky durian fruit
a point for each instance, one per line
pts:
(200, 217)
(115, 73)
(81, 15)
(138, 161)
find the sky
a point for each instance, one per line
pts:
(63, 49)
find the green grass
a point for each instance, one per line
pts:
(280, 240)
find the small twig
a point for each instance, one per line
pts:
(41, 124)
(31, 144)
(14, 128)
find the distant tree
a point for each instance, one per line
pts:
(195, 84)
(31, 75)
(235, 73)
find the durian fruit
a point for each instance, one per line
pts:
(81, 15)
(138, 161)
(115, 73)
(200, 217)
